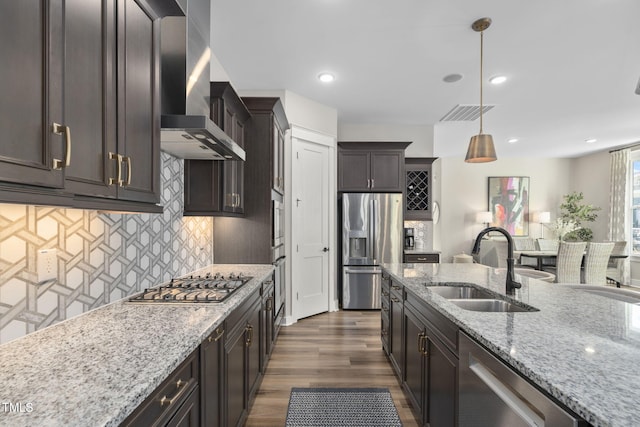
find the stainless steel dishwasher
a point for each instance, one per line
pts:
(492, 394)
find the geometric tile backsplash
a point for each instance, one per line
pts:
(101, 257)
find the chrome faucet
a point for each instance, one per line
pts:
(511, 285)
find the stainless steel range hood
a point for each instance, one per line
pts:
(187, 129)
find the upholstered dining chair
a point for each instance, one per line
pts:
(595, 263)
(568, 261)
(615, 266)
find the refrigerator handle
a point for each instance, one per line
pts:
(374, 230)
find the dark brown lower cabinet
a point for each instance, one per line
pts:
(396, 349)
(267, 325)
(242, 360)
(175, 402)
(211, 377)
(430, 374)
(423, 351)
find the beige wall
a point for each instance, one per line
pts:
(591, 176)
(421, 137)
(464, 192)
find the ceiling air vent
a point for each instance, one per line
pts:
(465, 113)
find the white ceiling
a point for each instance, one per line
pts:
(573, 65)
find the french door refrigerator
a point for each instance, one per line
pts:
(371, 235)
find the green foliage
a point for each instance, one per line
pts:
(574, 209)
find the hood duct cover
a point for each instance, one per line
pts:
(187, 129)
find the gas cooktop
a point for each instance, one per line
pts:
(198, 289)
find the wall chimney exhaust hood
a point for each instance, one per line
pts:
(187, 130)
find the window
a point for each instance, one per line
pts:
(635, 202)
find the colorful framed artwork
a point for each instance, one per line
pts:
(509, 203)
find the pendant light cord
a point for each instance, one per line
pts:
(481, 80)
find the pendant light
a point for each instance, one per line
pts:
(481, 149)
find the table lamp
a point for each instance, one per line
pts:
(484, 218)
(544, 218)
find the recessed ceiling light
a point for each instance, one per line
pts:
(452, 78)
(496, 80)
(326, 77)
(512, 140)
(590, 140)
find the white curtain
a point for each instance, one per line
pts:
(619, 199)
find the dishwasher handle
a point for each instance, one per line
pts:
(505, 394)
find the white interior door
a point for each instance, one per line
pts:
(311, 217)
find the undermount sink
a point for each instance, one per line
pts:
(476, 299)
(491, 305)
(461, 292)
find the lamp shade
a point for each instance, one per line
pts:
(544, 217)
(481, 149)
(484, 217)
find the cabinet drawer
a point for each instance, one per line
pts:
(424, 258)
(167, 399)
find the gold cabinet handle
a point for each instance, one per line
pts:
(384, 332)
(422, 344)
(118, 159)
(129, 173)
(386, 310)
(249, 339)
(219, 334)
(59, 129)
(394, 299)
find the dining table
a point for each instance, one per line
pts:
(540, 256)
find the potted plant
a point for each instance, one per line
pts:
(574, 211)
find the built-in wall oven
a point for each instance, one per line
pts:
(278, 254)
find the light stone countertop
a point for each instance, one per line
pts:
(581, 348)
(96, 368)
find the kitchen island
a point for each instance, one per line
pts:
(96, 368)
(581, 349)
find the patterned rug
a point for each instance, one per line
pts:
(353, 407)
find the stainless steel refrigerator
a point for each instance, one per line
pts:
(371, 234)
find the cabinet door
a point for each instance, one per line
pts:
(90, 95)
(442, 379)
(138, 103)
(413, 378)
(277, 158)
(31, 49)
(354, 171)
(267, 331)
(233, 186)
(418, 189)
(201, 186)
(235, 379)
(253, 349)
(395, 342)
(188, 415)
(387, 171)
(212, 375)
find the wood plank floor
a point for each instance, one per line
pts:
(340, 349)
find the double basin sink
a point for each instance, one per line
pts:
(475, 299)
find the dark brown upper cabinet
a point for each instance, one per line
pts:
(216, 187)
(371, 166)
(418, 188)
(80, 104)
(267, 128)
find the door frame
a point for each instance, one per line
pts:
(297, 134)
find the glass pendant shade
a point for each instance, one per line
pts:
(481, 149)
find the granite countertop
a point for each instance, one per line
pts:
(96, 368)
(581, 348)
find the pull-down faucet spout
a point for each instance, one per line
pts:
(511, 285)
